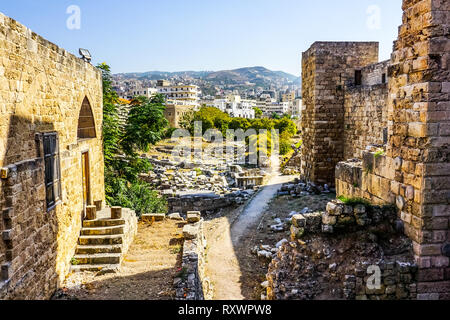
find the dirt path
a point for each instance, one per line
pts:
(147, 271)
(224, 263)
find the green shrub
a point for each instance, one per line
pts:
(354, 201)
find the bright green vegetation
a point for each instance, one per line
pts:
(354, 201)
(379, 153)
(145, 126)
(213, 118)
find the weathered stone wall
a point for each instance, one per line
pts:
(42, 88)
(191, 282)
(397, 281)
(130, 229)
(174, 113)
(418, 150)
(371, 178)
(335, 255)
(327, 67)
(419, 137)
(375, 74)
(204, 204)
(365, 111)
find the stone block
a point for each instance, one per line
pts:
(298, 220)
(91, 212)
(190, 231)
(6, 271)
(328, 219)
(98, 205)
(150, 217)
(331, 207)
(116, 212)
(193, 216)
(296, 232)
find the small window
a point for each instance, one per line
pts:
(385, 136)
(383, 78)
(52, 169)
(358, 77)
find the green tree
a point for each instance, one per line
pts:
(111, 128)
(275, 116)
(258, 113)
(286, 125)
(146, 124)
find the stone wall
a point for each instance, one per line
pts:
(205, 203)
(397, 281)
(365, 118)
(350, 251)
(42, 88)
(175, 113)
(191, 282)
(327, 67)
(419, 137)
(417, 158)
(371, 178)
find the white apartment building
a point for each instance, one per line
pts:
(295, 108)
(138, 91)
(187, 93)
(269, 108)
(234, 105)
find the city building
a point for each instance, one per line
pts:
(287, 97)
(138, 91)
(180, 92)
(176, 109)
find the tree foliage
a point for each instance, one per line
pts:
(146, 125)
(213, 118)
(258, 113)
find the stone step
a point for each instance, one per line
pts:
(100, 240)
(93, 249)
(103, 268)
(98, 258)
(103, 223)
(102, 231)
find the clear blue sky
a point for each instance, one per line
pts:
(177, 35)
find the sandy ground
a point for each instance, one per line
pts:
(147, 272)
(225, 259)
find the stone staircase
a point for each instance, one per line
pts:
(104, 241)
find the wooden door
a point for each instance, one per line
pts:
(86, 182)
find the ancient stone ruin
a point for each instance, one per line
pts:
(391, 120)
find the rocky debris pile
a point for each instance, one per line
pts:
(267, 252)
(339, 216)
(171, 178)
(191, 282)
(319, 264)
(207, 203)
(299, 188)
(307, 222)
(397, 281)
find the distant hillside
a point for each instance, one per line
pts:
(258, 76)
(158, 75)
(252, 74)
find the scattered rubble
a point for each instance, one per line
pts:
(300, 188)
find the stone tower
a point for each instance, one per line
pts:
(419, 131)
(327, 68)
